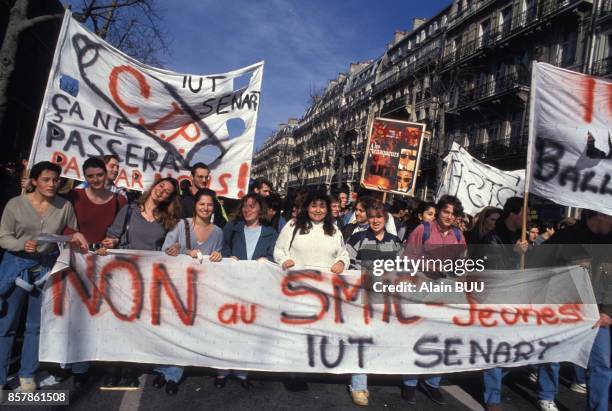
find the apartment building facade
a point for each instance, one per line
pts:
(273, 158)
(464, 72)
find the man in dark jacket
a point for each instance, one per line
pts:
(588, 243)
(200, 178)
(503, 251)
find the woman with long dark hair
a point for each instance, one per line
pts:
(142, 226)
(312, 239)
(425, 212)
(484, 224)
(26, 262)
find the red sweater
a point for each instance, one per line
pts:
(94, 219)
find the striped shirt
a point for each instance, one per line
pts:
(363, 248)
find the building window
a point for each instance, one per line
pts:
(505, 21)
(484, 31)
(566, 50)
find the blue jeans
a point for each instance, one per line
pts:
(359, 382)
(412, 380)
(9, 322)
(170, 372)
(579, 374)
(598, 372)
(548, 382)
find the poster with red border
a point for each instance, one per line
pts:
(393, 155)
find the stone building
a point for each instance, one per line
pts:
(272, 159)
(464, 72)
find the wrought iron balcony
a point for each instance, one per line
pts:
(518, 23)
(603, 67)
(508, 146)
(492, 88)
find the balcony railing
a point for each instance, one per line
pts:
(492, 88)
(514, 144)
(603, 67)
(518, 23)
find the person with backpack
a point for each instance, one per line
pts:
(437, 239)
(425, 211)
(363, 247)
(196, 237)
(142, 226)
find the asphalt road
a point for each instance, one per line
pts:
(326, 392)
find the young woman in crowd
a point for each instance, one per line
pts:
(364, 247)
(335, 210)
(142, 226)
(26, 262)
(425, 212)
(312, 239)
(361, 218)
(95, 206)
(484, 224)
(195, 237)
(247, 238)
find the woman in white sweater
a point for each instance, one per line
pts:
(312, 239)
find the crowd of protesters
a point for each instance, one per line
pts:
(307, 229)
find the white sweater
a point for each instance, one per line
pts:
(313, 249)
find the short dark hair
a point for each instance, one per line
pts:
(38, 168)
(260, 182)
(108, 157)
(198, 165)
(447, 200)
(274, 202)
(513, 205)
(547, 225)
(398, 205)
(94, 162)
(334, 199)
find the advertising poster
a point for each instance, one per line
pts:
(393, 155)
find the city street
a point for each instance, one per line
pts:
(324, 393)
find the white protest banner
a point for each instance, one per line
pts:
(476, 184)
(148, 307)
(569, 159)
(100, 101)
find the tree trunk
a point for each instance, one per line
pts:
(8, 52)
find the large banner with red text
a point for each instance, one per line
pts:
(100, 101)
(570, 145)
(147, 307)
